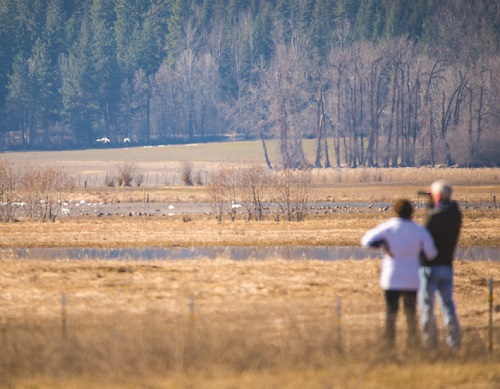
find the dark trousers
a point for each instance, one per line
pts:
(410, 308)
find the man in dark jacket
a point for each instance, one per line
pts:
(436, 277)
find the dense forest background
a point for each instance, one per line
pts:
(374, 82)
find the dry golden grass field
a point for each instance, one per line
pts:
(226, 324)
(220, 323)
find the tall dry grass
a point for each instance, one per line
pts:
(361, 184)
(223, 322)
(173, 175)
(407, 176)
(333, 228)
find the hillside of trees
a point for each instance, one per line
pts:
(375, 82)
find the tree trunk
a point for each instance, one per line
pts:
(319, 131)
(266, 155)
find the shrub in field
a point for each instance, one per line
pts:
(126, 173)
(253, 186)
(292, 188)
(139, 179)
(7, 191)
(109, 180)
(187, 173)
(222, 190)
(238, 187)
(40, 188)
(198, 179)
(32, 190)
(232, 187)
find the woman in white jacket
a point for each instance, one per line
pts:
(403, 241)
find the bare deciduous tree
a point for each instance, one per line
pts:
(253, 186)
(292, 188)
(8, 185)
(40, 189)
(222, 188)
(287, 105)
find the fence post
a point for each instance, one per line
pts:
(339, 324)
(490, 324)
(63, 316)
(192, 314)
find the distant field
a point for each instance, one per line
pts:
(241, 151)
(162, 165)
(151, 159)
(197, 152)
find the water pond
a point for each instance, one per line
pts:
(228, 252)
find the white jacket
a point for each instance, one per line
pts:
(404, 241)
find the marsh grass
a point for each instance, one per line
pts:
(344, 185)
(220, 323)
(407, 176)
(339, 228)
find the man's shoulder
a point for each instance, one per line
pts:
(450, 208)
(444, 215)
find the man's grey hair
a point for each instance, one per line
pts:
(442, 188)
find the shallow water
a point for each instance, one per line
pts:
(229, 252)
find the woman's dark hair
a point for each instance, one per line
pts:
(403, 208)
